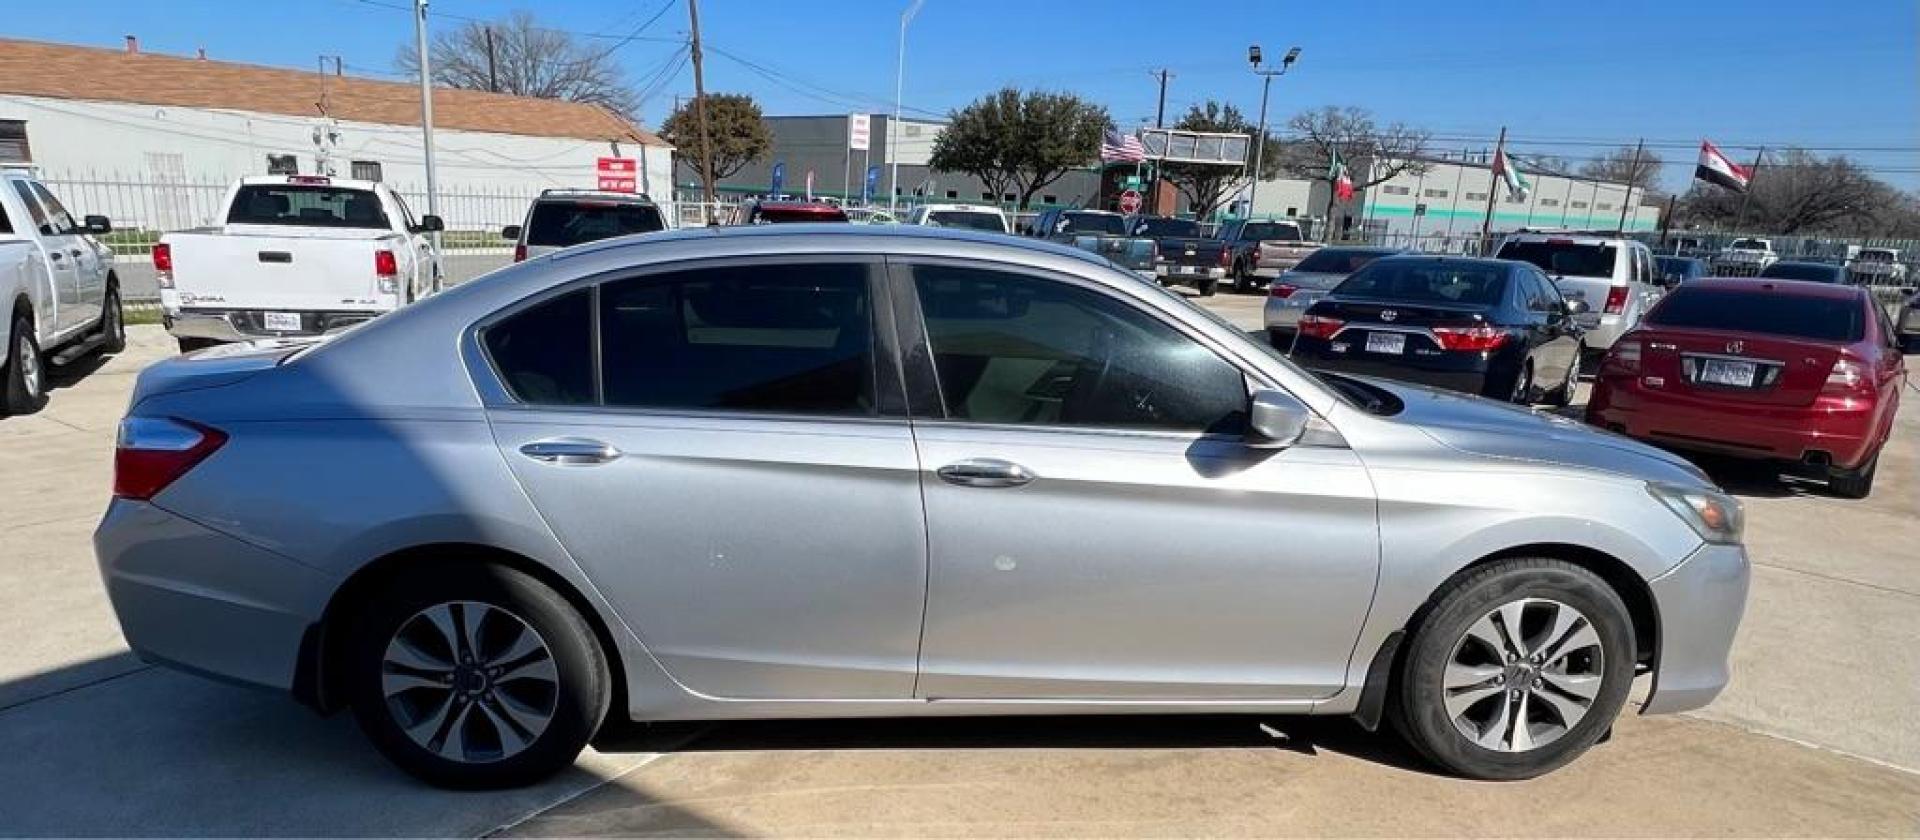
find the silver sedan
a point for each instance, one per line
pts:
(1305, 284)
(814, 471)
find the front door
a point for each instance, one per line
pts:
(1098, 527)
(82, 305)
(730, 481)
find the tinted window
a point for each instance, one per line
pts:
(307, 205)
(1748, 245)
(1271, 230)
(545, 354)
(969, 219)
(1772, 313)
(1564, 258)
(784, 338)
(1091, 223)
(1016, 349)
(56, 212)
(767, 214)
(563, 223)
(1166, 227)
(1428, 281)
(1338, 260)
(1679, 266)
(1804, 271)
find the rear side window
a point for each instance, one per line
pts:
(1271, 230)
(1566, 259)
(1428, 281)
(778, 338)
(563, 223)
(1090, 223)
(1770, 313)
(306, 205)
(545, 354)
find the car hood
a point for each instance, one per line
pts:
(1501, 431)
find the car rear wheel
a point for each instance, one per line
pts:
(1855, 483)
(26, 371)
(1517, 669)
(1242, 279)
(1522, 391)
(1562, 396)
(475, 676)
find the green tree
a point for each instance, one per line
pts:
(1207, 186)
(740, 134)
(1021, 141)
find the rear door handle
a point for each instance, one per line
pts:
(985, 472)
(574, 451)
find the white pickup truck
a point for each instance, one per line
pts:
(1744, 257)
(62, 296)
(297, 255)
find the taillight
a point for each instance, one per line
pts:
(1623, 358)
(163, 265)
(519, 253)
(154, 452)
(1848, 377)
(1616, 300)
(385, 264)
(1258, 255)
(1474, 339)
(1281, 290)
(1319, 326)
(1226, 257)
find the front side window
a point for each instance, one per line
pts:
(57, 214)
(1016, 349)
(38, 215)
(777, 338)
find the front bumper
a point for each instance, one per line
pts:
(201, 601)
(233, 325)
(1698, 604)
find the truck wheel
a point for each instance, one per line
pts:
(26, 372)
(113, 323)
(1242, 279)
(1206, 286)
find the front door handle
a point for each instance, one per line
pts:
(576, 451)
(985, 472)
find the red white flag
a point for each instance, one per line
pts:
(1342, 181)
(1714, 167)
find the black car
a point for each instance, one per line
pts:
(1674, 271)
(1812, 272)
(1496, 328)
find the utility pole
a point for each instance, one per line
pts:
(1633, 176)
(700, 112)
(1746, 195)
(1160, 113)
(1486, 224)
(899, 91)
(493, 73)
(426, 113)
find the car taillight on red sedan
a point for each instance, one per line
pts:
(154, 452)
(1623, 358)
(1473, 339)
(1319, 326)
(1848, 378)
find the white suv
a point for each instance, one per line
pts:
(561, 218)
(1613, 274)
(969, 216)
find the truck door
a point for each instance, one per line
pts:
(62, 266)
(89, 271)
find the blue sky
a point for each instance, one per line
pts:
(1572, 78)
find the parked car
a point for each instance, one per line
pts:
(1184, 254)
(1073, 492)
(62, 295)
(1495, 328)
(1099, 232)
(1676, 270)
(1879, 267)
(1811, 272)
(1806, 374)
(768, 212)
(295, 255)
(1909, 326)
(1307, 282)
(1263, 249)
(1612, 275)
(563, 218)
(969, 216)
(1744, 257)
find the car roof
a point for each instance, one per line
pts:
(858, 238)
(1447, 259)
(1801, 288)
(308, 180)
(593, 195)
(1571, 237)
(1805, 264)
(971, 208)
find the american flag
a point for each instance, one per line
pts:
(1121, 147)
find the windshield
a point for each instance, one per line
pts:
(767, 214)
(1680, 266)
(1091, 223)
(1272, 230)
(1339, 260)
(563, 223)
(1158, 227)
(306, 205)
(1748, 245)
(1803, 271)
(969, 219)
(1876, 256)
(1760, 311)
(1427, 281)
(1564, 259)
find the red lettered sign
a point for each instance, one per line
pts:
(618, 174)
(1130, 201)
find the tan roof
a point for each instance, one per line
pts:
(61, 71)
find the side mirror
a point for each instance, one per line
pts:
(429, 224)
(1275, 420)
(510, 233)
(99, 224)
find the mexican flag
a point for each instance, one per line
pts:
(1517, 184)
(1342, 182)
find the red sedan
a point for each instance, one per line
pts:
(1807, 374)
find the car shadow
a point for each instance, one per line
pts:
(71, 373)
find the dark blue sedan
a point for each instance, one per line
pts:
(1677, 270)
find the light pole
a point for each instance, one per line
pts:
(899, 91)
(426, 119)
(1260, 142)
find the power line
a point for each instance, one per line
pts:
(634, 36)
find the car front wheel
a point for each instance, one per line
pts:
(25, 375)
(1518, 668)
(475, 676)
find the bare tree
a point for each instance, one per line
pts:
(1386, 152)
(1797, 191)
(1206, 186)
(526, 59)
(1620, 167)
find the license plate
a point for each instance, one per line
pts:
(1724, 372)
(283, 321)
(1185, 269)
(1394, 343)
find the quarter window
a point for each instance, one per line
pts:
(545, 353)
(1017, 349)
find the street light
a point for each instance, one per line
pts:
(899, 90)
(1266, 84)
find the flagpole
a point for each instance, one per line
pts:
(1746, 195)
(1486, 224)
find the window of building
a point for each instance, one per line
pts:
(366, 170)
(1049, 199)
(1603, 206)
(1436, 193)
(1007, 197)
(1474, 196)
(1391, 189)
(1579, 205)
(1292, 212)
(953, 193)
(1549, 202)
(986, 196)
(283, 165)
(13, 142)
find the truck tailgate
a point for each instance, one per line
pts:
(331, 270)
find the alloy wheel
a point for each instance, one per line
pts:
(27, 357)
(1523, 675)
(470, 682)
(1522, 385)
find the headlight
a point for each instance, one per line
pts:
(1716, 516)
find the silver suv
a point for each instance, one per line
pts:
(830, 471)
(1615, 275)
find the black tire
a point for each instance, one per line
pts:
(1517, 390)
(25, 394)
(1562, 396)
(1206, 286)
(578, 693)
(1855, 483)
(188, 345)
(113, 322)
(1419, 694)
(1242, 279)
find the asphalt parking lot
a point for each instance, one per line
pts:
(1816, 736)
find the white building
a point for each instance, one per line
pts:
(152, 140)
